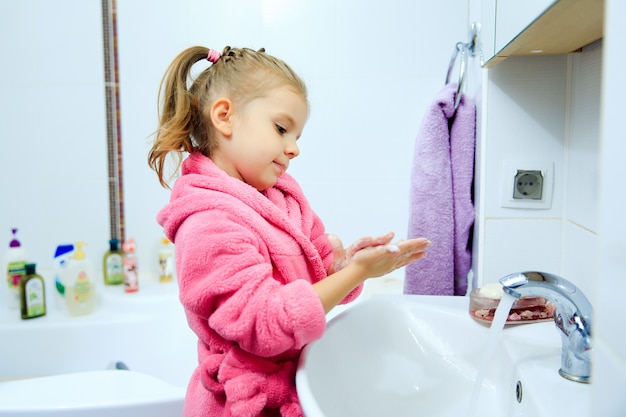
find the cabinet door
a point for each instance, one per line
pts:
(504, 20)
(513, 16)
(488, 29)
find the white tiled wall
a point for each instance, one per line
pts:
(610, 274)
(53, 175)
(371, 69)
(512, 245)
(543, 109)
(580, 226)
(568, 110)
(524, 123)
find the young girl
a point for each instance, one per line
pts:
(256, 270)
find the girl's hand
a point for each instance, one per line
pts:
(342, 256)
(380, 260)
(366, 258)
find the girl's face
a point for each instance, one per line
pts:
(263, 139)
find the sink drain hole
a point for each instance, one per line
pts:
(518, 391)
(118, 365)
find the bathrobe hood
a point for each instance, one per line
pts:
(204, 187)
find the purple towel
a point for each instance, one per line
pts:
(441, 207)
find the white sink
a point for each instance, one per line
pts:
(408, 355)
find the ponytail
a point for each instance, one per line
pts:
(179, 111)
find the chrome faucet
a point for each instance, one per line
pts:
(572, 317)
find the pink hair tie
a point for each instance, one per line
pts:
(213, 56)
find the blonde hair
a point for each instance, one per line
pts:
(241, 74)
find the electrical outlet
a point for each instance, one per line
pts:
(528, 185)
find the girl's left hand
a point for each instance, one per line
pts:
(343, 256)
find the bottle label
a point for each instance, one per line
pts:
(166, 266)
(131, 277)
(34, 298)
(82, 288)
(114, 269)
(15, 272)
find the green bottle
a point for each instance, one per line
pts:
(113, 264)
(32, 294)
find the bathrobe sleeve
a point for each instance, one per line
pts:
(249, 292)
(290, 198)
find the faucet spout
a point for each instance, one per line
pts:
(573, 317)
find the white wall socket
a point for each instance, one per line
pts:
(527, 184)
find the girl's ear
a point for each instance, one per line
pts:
(221, 115)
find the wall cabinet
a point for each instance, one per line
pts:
(522, 27)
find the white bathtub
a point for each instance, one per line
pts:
(62, 365)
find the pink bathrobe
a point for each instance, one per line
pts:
(245, 262)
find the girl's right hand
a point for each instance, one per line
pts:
(342, 256)
(374, 258)
(381, 260)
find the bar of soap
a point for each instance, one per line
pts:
(493, 290)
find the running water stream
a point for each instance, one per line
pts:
(495, 333)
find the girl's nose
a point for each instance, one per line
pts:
(292, 150)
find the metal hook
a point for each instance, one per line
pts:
(461, 48)
(472, 45)
(464, 49)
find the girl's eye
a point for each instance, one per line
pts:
(281, 129)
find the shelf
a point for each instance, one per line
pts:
(565, 27)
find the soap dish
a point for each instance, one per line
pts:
(484, 302)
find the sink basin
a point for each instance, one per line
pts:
(407, 355)
(529, 371)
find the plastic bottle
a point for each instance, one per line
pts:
(80, 288)
(15, 268)
(113, 264)
(62, 256)
(166, 261)
(32, 294)
(131, 276)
